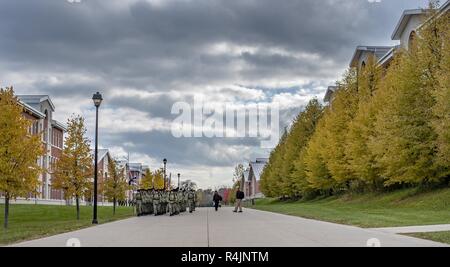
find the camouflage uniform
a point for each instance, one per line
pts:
(164, 206)
(138, 199)
(156, 203)
(181, 202)
(191, 200)
(172, 197)
(144, 202)
(150, 193)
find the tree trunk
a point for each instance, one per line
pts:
(78, 207)
(114, 206)
(6, 211)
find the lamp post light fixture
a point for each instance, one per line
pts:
(97, 98)
(165, 163)
(179, 180)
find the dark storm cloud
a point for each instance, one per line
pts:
(170, 50)
(137, 39)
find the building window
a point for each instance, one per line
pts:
(411, 40)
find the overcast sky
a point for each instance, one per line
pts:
(145, 55)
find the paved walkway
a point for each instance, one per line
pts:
(206, 228)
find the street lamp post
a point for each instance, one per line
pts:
(165, 162)
(97, 98)
(179, 180)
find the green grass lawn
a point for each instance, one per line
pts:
(34, 221)
(400, 208)
(443, 237)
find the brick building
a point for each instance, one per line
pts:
(40, 110)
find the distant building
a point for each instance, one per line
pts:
(405, 31)
(246, 183)
(363, 53)
(135, 173)
(330, 94)
(250, 183)
(103, 160)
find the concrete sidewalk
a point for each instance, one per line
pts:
(205, 227)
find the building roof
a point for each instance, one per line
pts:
(407, 14)
(36, 99)
(330, 91)
(388, 56)
(59, 125)
(257, 168)
(378, 51)
(101, 154)
(404, 19)
(33, 111)
(445, 6)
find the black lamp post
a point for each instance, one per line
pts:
(165, 162)
(179, 180)
(97, 98)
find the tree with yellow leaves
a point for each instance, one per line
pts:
(362, 163)
(318, 176)
(73, 170)
(271, 178)
(441, 93)
(301, 131)
(405, 143)
(337, 121)
(147, 180)
(115, 185)
(19, 151)
(158, 179)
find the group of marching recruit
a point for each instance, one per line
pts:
(160, 202)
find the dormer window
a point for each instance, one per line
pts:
(411, 39)
(363, 65)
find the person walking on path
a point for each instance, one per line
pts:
(239, 197)
(216, 198)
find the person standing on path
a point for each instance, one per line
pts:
(216, 198)
(239, 197)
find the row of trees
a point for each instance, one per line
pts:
(73, 172)
(385, 128)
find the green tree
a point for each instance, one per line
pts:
(74, 168)
(116, 185)
(19, 151)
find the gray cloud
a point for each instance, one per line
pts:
(231, 50)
